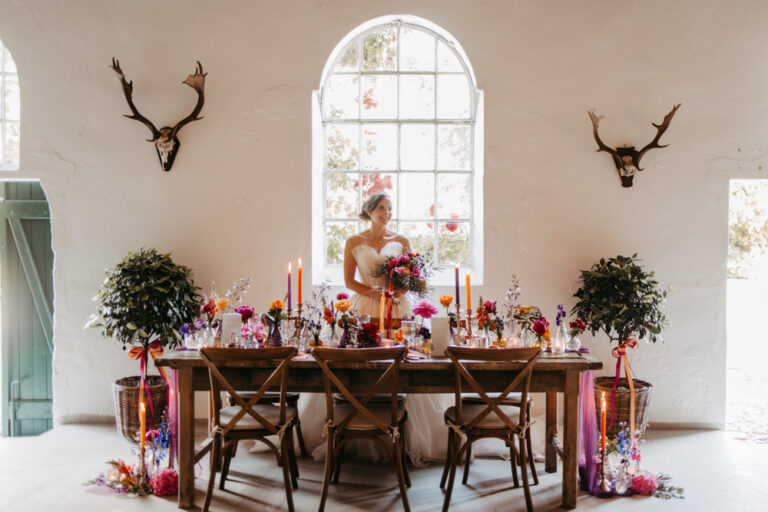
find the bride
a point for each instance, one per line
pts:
(363, 253)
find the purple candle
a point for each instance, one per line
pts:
(289, 286)
(457, 286)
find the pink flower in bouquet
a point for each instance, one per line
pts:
(490, 306)
(246, 312)
(425, 309)
(342, 296)
(151, 435)
(540, 326)
(644, 483)
(165, 482)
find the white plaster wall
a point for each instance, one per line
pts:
(237, 200)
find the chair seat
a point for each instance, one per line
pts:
(269, 397)
(490, 421)
(270, 413)
(514, 398)
(377, 398)
(360, 422)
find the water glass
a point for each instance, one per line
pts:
(408, 328)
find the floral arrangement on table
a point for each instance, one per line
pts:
(425, 310)
(314, 312)
(408, 271)
(342, 305)
(453, 319)
(576, 327)
(273, 318)
(489, 320)
(368, 335)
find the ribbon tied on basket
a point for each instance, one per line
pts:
(154, 349)
(620, 353)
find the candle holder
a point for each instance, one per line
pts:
(605, 486)
(469, 322)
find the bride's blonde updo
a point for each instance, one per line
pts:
(371, 203)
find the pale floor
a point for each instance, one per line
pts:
(47, 472)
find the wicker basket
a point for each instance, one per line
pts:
(643, 392)
(126, 392)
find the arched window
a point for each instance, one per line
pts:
(9, 111)
(398, 110)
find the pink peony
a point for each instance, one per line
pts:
(165, 482)
(490, 306)
(246, 312)
(540, 327)
(644, 483)
(342, 296)
(425, 309)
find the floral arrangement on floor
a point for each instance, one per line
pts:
(409, 271)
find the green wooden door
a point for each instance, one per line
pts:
(26, 297)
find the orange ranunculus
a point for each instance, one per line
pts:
(276, 304)
(446, 300)
(343, 305)
(398, 336)
(222, 304)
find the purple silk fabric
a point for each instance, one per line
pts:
(587, 445)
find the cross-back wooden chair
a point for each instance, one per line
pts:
(469, 422)
(248, 419)
(361, 417)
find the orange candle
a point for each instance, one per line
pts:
(602, 421)
(381, 314)
(469, 294)
(299, 279)
(142, 423)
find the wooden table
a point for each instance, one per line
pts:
(552, 374)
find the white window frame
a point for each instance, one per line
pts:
(4, 166)
(321, 270)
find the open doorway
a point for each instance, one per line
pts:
(747, 347)
(26, 283)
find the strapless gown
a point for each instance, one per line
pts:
(425, 429)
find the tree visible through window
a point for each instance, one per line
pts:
(398, 110)
(9, 111)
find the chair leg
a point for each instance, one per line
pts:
(397, 452)
(448, 456)
(404, 458)
(466, 464)
(327, 475)
(455, 452)
(337, 458)
(302, 448)
(528, 443)
(524, 471)
(292, 459)
(287, 471)
(229, 452)
(212, 475)
(514, 459)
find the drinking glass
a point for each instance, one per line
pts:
(408, 328)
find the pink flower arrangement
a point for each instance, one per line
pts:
(425, 309)
(540, 326)
(490, 306)
(644, 483)
(342, 296)
(165, 482)
(246, 312)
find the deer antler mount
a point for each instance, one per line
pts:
(166, 138)
(627, 158)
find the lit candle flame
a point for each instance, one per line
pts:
(289, 266)
(299, 261)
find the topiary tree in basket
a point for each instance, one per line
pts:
(618, 297)
(143, 302)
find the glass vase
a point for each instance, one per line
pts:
(559, 339)
(573, 344)
(273, 338)
(346, 337)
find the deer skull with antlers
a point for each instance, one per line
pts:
(627, 158)
(166, 138)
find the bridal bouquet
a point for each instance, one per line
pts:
(408, 271)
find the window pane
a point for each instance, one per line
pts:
(341, 201)
(340, 97)
(453, 147)
(421, 235)
(11, 92)
(381, 182)
(10, 66)
(348, 61)
(379, 97)
(453, 196)
(341, 145)
(417, 147)
(380, 50)
(336, 234)
(417, 50)
(453, 243)
(446, 58)
(379, 147)
(417, 191)
(10, 154)
(452, 97)
(417, 96)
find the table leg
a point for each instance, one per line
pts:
(550, 455)
(186, 425)
(570, 441)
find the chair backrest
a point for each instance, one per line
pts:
(331, 381)
(520, 383)
(215, 358)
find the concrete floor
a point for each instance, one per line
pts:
(47, 472)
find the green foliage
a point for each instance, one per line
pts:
(666, 490)
(747, 226)
(145, 296)
(619, 298)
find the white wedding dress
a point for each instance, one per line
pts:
(426, 432)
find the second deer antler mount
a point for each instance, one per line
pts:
(627, 158)
(166, 138)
